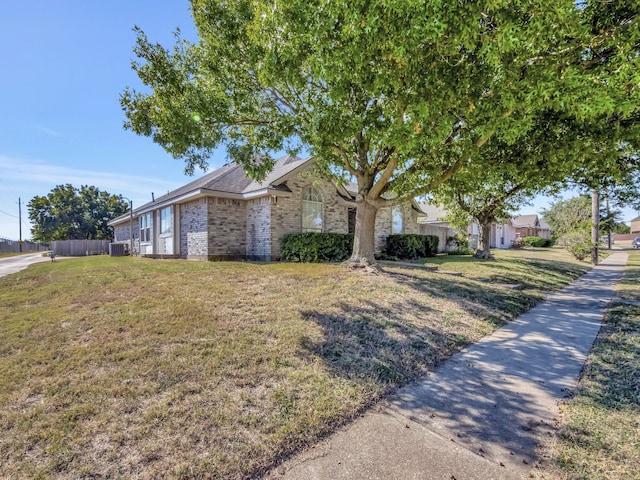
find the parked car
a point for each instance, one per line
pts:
(636, 242)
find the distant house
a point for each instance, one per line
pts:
(433, 221)
(503, 234)
(530, 226)
(635, 225)
(226, 215)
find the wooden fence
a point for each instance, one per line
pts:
(441, 232)
(80, 248)
(11, 246)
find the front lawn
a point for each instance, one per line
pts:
(134, 368)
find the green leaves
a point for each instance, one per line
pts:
(68, 213)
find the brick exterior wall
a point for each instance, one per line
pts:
(384, 223)
(193, 230)
(258, 235)
(121, 234)
(286, 213)
(227, 222)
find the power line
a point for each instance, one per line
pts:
(14, 216)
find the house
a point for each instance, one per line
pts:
(635, 225)
(433, 221)
(503, 234)
(226, 215)
(530, 226)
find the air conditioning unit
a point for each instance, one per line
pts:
(117, 249)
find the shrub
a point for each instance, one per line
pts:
(410, 246)
(317, 247)
(577, 244)
(458, 245)
(537, 242)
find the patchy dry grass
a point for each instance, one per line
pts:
(599, 436)
(134, 368)
(544, 269)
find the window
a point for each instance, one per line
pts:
(166, 220)
(146, 226)
(311, 210)
(396, 219)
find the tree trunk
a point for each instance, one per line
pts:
(364, 237)
(484, 241)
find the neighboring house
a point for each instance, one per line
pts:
(225, 215)
(434, 222)
(530, 226)
(635, 225)
(503, 234)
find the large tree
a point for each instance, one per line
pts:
(69, 213)
(375, 90)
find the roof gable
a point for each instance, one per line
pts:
(526, 221)
(229, 179)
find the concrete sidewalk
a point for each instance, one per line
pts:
(481, 414)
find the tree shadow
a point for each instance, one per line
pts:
(393, 343)
(497, 396)
(542, 274)
(377, 343)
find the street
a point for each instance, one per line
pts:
(11, 265)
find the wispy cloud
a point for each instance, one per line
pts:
(45, 130)
(38, 172)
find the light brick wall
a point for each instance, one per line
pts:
(410, 219)
(227, 221)
(121, 234)
(259, 229)
(194, 242)
(384, 223)
(286, 213)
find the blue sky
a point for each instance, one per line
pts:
(64, 65)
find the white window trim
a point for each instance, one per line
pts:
(316, 193)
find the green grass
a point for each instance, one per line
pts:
(128, 367)
(599, 436)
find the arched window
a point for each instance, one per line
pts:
(396, 219)
(311, 210)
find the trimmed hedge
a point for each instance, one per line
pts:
(410, 246)
(537, 242)
(317, 247)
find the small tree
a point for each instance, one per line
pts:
(69, 213)
(570, 221)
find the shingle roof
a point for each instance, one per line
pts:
(525, 220)
(231, 178)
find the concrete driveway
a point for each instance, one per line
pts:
(11, 265)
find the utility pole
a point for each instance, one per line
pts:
(595, 225)
(130, 228)
(20, 223)
(608, 222)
